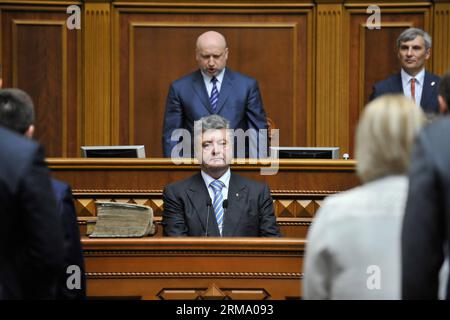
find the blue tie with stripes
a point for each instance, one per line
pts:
(217, 186)
(214, 95)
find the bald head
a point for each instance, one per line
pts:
(211, 53)
(209, 38)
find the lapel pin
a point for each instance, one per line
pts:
(433, 83)
(237, 194)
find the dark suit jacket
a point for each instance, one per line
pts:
(72, 244)
(426, 225)
(239, 102)
(250, 210)
(428, 102)
(31, 241)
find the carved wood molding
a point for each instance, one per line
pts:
(240, 275)
(154, 252)
(130, 192)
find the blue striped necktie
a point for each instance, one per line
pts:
(214, 95)
(217, 187)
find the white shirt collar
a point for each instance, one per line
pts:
(225, 178)
(406, 77)
(219, 77)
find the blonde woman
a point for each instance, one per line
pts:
(353, 249)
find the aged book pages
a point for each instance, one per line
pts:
(115, 219)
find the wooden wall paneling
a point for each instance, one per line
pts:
(331, 113)
(371, 62)
(97, 74)
(441, 39)
(41, 56)
(156, 48)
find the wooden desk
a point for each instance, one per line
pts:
(297, 189)
(194, 268)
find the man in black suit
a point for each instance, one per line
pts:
(426, 225)
(216, 202)
(414, 48)
(17, 114)
(31, 246)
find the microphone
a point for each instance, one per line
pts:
(225, 207)
(208, 205)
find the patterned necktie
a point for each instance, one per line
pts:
(217, 186)
(214, 95)
(413, 89)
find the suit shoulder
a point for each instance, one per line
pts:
(433, 77)
(183, 184)
(438, 129)
(186, 78)
(16, 149)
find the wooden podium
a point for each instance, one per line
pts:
(194, 268)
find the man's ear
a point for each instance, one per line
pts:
(30, 131)
(443, 108)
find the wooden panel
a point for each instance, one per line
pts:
(43, 79)
(41, 56)
(441, 39)
(156, 49)
(194, 268)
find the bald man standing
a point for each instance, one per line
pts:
(213, 89)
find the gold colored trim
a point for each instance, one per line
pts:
(62, 24)
(47, 3)
(311, 80)
(237, 275)
(140, 192)
(116, 92)
(388, 5)
(162, 163)
(254, 6)
(441, 41)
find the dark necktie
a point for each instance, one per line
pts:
(214, 95)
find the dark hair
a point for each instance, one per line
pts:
(444, 88)
(214, 121)
(16, 110)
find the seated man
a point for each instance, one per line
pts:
(216, 202)
(414, 48)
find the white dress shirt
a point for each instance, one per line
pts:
(209, 84)
(406, 84)
(225, 179)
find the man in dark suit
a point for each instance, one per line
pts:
(213, 89)
(414, 48)
(216, 202)
(426, 225)
(30, 230)
(17, 114)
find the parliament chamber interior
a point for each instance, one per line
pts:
(106, 82)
